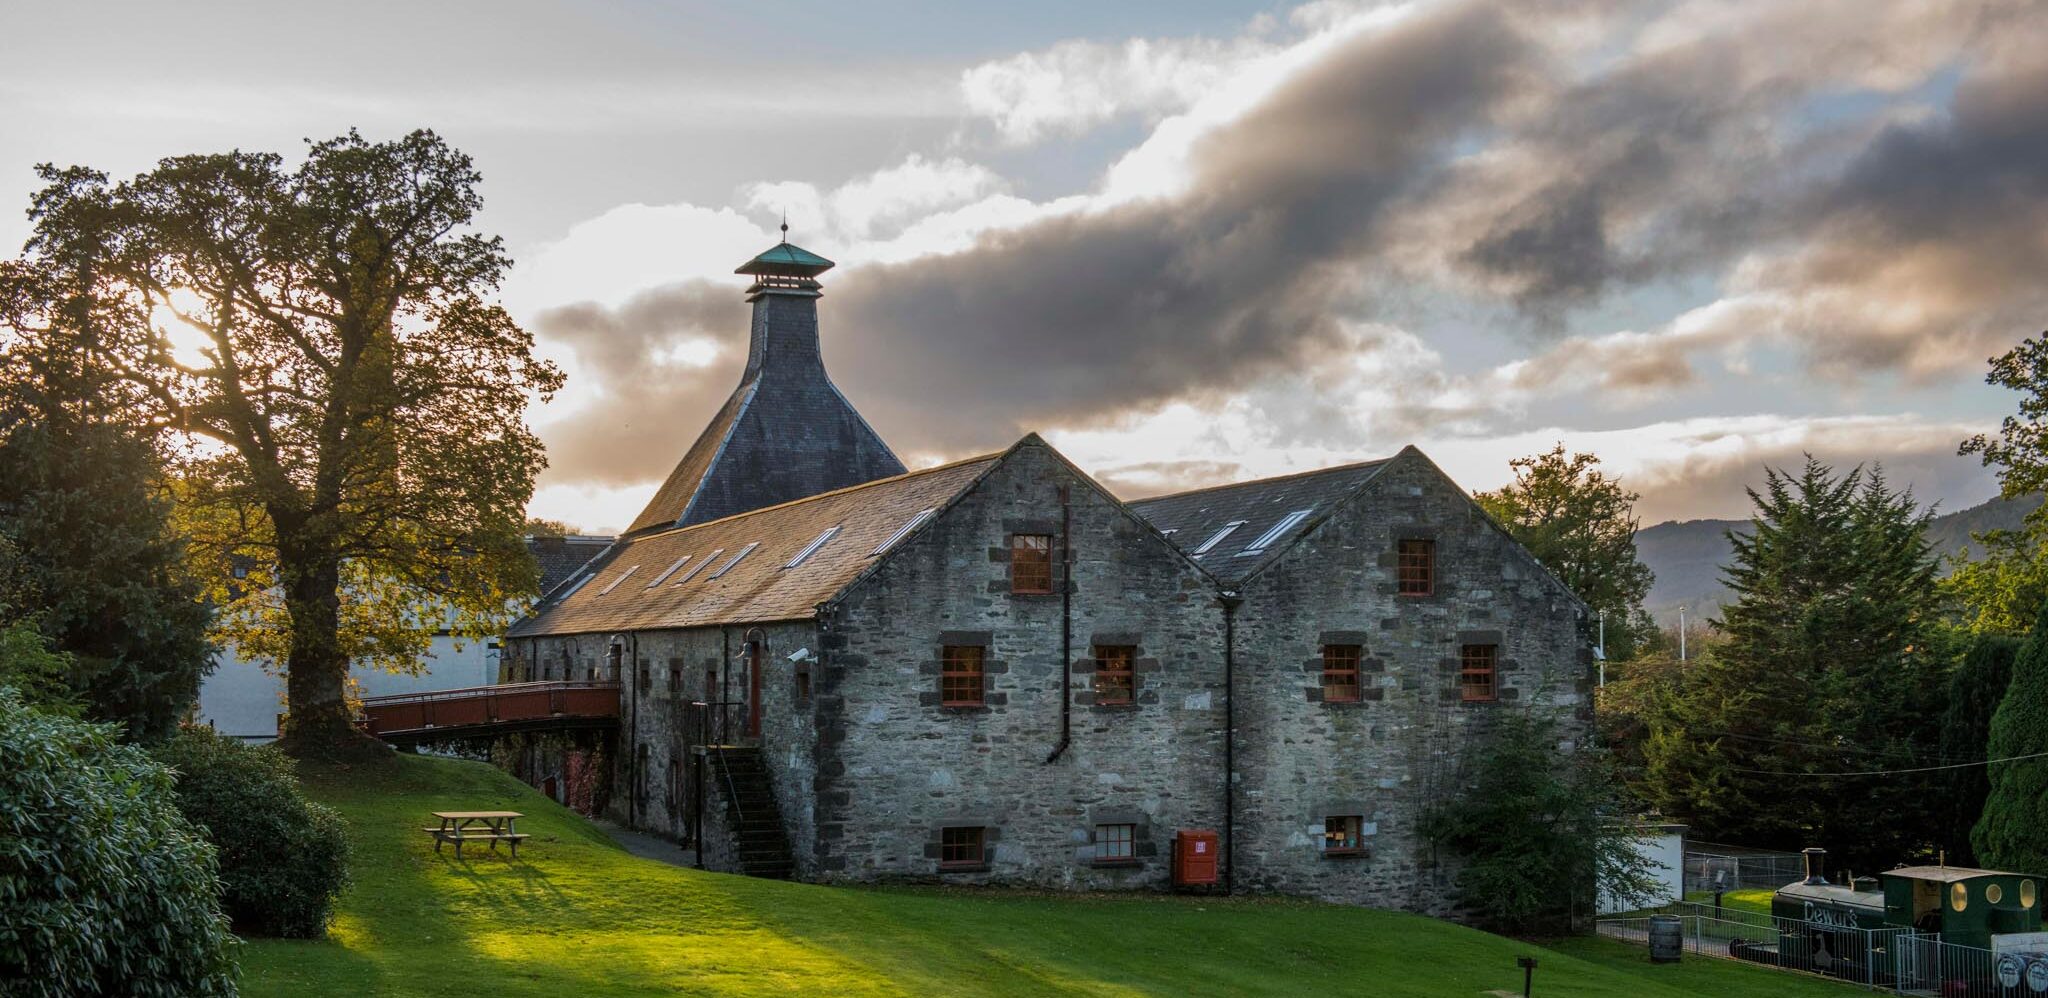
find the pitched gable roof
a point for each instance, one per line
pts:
(561, 557)
(688, 577)
(1246, 513)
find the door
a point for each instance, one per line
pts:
(753, 689)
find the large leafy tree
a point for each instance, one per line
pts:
(1582, 525)
(2000, 592)
(1830, 662)
(322, 340)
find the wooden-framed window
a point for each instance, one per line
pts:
(1415, 564)
(1116, 843)
(960, 676)
(1340, 673)
(1478, 672)
(1116, 677)
(960, 848)
(1343, 835)
(1031, 563)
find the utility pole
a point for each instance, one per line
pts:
(1681, 634)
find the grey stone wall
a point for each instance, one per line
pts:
(1301, 760)
(870, 767)
(895, 767)
(661, 673)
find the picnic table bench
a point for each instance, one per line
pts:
(476, 826)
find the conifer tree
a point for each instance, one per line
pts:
(2009, 834)
(1825, 667)
(1975, 690)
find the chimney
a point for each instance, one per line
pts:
(785, 299)
(1815, 856)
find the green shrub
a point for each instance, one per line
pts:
(1536, 830)
(104, 887)
(283, 858)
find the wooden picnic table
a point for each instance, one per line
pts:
(476, 826)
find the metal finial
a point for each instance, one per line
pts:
(785, 225)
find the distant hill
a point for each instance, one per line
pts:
(1687, 554)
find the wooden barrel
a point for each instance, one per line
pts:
(1667, 938)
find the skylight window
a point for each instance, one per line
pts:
(812, 547)
(579, 584)
(1217, 537)
(902, 531)
(671, 570)
(698, 567)
(623, 576)
(727, 567)
(1287, 523)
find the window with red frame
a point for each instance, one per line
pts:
(1343, 835)
(1478, 672)
(1116, 678)
(960, 676)
(1415, 563)
(960, 848)
(1116, 843)
(1340, 673)
(1031, 563)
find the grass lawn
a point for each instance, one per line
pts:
(1756, 900)
(579, 916)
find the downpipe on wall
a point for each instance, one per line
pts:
(1066, 627)
(1230, 601)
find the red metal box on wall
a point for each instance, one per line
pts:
(1194, 857)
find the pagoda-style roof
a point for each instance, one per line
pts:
(786, 259)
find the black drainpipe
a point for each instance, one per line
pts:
(1230, 601)
(1066, 628)
(632, 675)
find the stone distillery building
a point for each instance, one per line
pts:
(995, 671)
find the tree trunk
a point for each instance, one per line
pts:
(318, 721)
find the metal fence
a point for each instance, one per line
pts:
(1896, 961)
(1710, 867)
(1931, 967)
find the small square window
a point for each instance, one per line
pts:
(961, 848)
(1031, 563)
(1116, 679)
(1478, 672)
(1116, 843)
(1343, 835)
(1340, 673)
(960, 676)
(1415, 560)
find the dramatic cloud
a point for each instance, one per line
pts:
(1836, 192)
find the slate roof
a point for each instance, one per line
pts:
(665, 579)
(560, 557)
(1190, 519)
(786, 432)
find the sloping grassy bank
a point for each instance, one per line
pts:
(576, 915)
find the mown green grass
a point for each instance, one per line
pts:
(576, 915)
(1756, 900)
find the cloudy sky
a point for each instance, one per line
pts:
(1188, 242)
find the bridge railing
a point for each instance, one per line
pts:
(483, 705)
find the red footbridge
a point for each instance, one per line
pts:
(485, 711)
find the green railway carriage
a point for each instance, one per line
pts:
(1968, 906)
